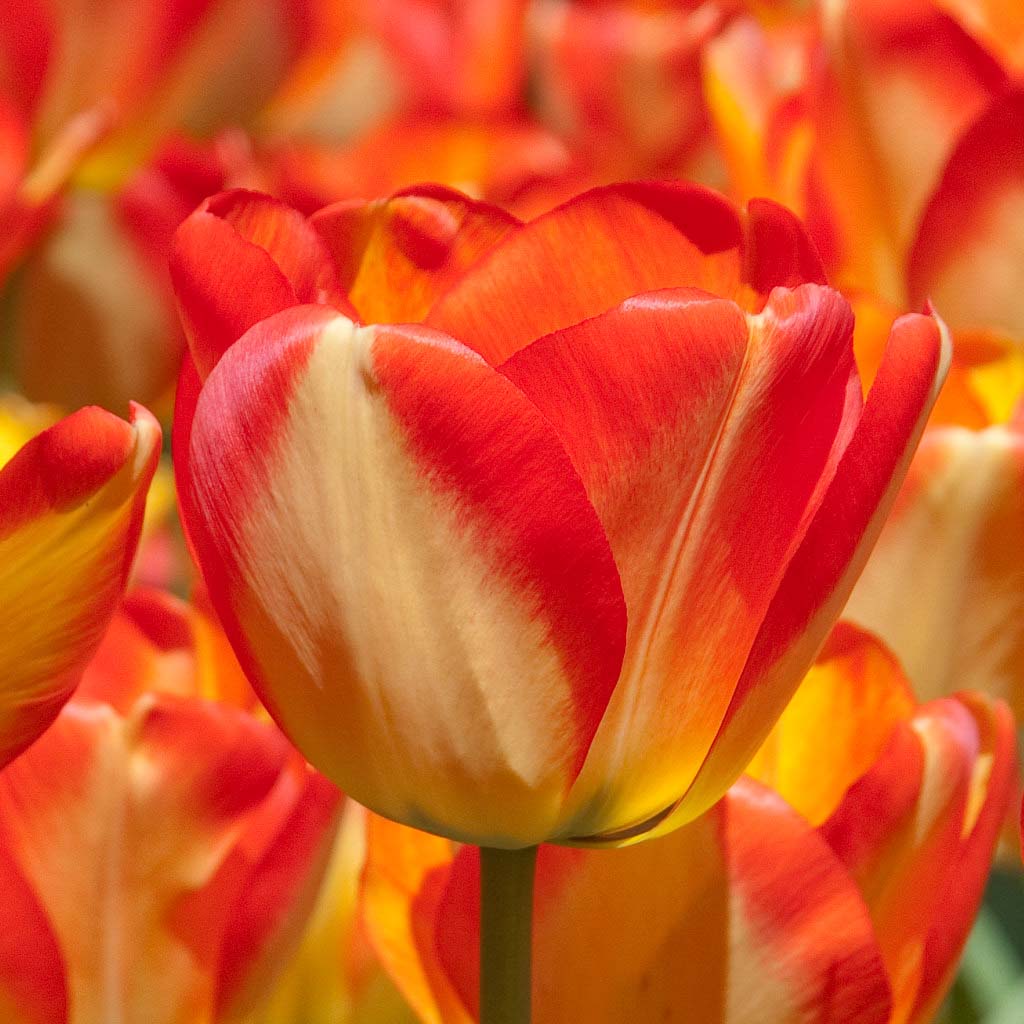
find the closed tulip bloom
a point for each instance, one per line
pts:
(71, 507)
(547, 564)
(838, 887)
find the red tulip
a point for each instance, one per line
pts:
(548, 564)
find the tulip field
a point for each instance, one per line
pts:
(511, 511)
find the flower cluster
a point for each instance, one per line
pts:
(593, 425)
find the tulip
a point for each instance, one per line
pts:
(896, 130)
(468, 577)
(71, 507)
(945, 586)
(158, 851)
(334, 977)
(847, 906)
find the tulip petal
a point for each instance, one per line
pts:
(943, 587)
(71, 504)
(32, 986)
(288, 845)
(838, 541)
(777, 250)
(899, 77)
(837, 724)
(969, 251)
(121, 827)
(682, 418)
(743, 917)
(993, 790)
(157, 643)
(899, 830)
(403, 881)
(409, 568)
(586, 256)
(395, 257)
(240, 258)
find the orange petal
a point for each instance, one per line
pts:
(403, 881)
(836, 725)
(743, 917)
(286, 848)
(466, 56)
(903, 81)
(636, 237)
(33, 989)
(396, 256)
(588, 255)
(919, 830)
(993, 790)
(457, 624)
(510, 161)
(157, 643)
(71, 504)
(623, 79)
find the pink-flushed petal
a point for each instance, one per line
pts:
(72, 501)
(394, 257)
(122, 826)
(943, 587)
(682, 416)
(825, 567)
(968, 256)
(239, 258)
(32, 985)
(993, 787)
(409, 568)
(587, 256)
(743, 917)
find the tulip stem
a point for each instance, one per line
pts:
(506, 928)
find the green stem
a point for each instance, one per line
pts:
(506, 927)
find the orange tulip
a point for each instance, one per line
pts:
(334, 977)
(468, 577)
(944, 586)
(896, 128)
(71, 505)
(848, 906)
(157, 851)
